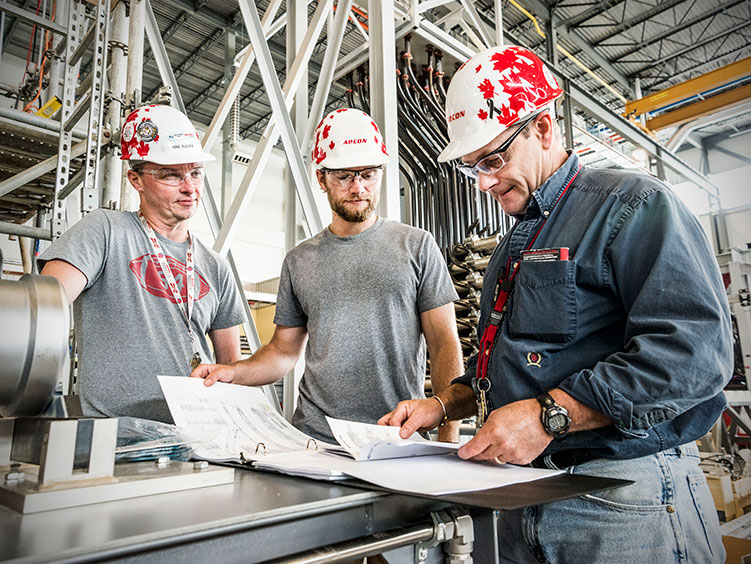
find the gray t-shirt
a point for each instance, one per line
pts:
(360, 299)
(128, 327)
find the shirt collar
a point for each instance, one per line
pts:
(544, 198)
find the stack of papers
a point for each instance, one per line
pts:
(247, 429)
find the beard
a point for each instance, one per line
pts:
(353, 216)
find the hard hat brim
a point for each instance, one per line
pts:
(460, 147)
(355, 160)
(197, 156)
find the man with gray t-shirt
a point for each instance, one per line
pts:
(367, 294)
(145, 293)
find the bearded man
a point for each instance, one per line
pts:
(367, 293)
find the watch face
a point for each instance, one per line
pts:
(558, 422)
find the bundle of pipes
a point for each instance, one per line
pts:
(467, 263)
(436, 197)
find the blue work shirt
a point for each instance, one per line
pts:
(636, 325)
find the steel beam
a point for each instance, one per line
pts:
(733, 154)
(702, 108)
(634, 135)
(297, 23)
(24, 231)
(32, 173)
(112, 165)
(25, 15)
(597, 9)
(671, 31)
(383, 99)
(688, 48)
(62, 173)
(328, 67)
(689, 88)
(237, 81)
(498, 21)
(137, 21)
(100, 27)
(279, 101)
(230, 127)
(642, 17)
(477, 23)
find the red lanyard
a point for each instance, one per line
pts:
(505, 287)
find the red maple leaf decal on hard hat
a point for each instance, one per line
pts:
(142, 148)
(331, 145)
(487, 88)
(504, 60)
(326, 130)
(478, 68)
(482, 114)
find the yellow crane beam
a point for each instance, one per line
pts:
(724, 75)
(704, 107)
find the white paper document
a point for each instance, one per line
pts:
(240, 425)
(377, 442)
(235, 419)
(439, 475)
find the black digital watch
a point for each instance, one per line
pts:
(554, 417)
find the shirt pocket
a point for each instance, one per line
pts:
(544, 301)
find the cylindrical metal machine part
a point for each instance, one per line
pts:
(484, 244)
(33, 343)
(358, 548)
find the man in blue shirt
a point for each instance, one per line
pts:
(605, 330)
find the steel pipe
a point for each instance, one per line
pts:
(360, 548)
(33, 343)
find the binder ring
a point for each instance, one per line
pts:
(315, 444)
(259, 445)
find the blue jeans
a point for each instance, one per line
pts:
(666, 516)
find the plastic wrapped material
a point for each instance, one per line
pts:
(142, 439)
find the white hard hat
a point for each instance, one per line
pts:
(491, 92)
(162, 135)
(347, 138)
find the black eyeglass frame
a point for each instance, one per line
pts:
(473, 170)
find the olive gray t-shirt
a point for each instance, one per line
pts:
(128, 327)
(360, 299)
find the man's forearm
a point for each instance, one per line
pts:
(265, 366)
(459, 401)
(446, 366)
(582, 416)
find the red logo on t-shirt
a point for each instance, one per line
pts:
(150, 277)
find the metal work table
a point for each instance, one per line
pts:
(259, 517)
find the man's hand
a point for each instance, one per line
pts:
(513, 433)
(212, 373)
(421, 415)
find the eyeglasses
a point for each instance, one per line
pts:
(493, 161)
(172, 177)
(343, 177)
